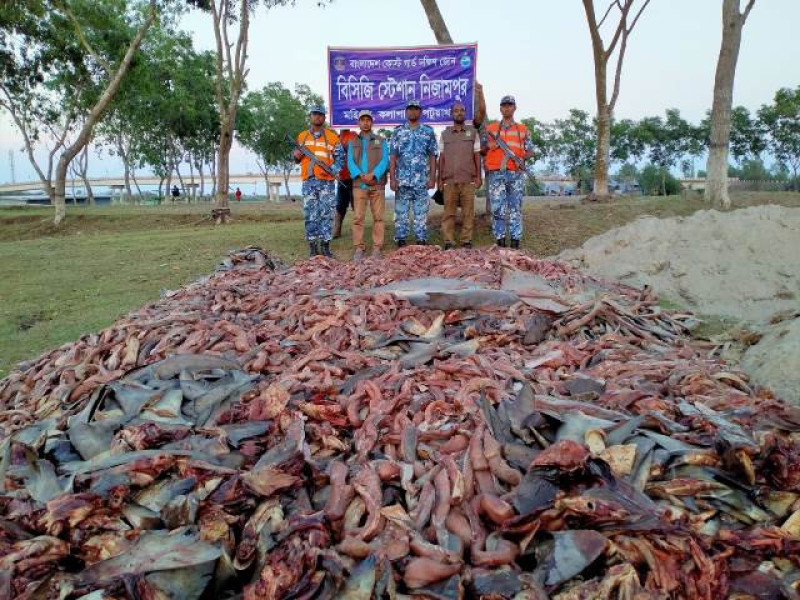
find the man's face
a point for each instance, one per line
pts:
(365, 123)
(317, 119)
(459, 114)
(508, 110)
(413, 113)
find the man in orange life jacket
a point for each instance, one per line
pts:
(319, 192)
(505, 181)
(344, 188)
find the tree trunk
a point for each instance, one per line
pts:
(180, 179)
(136, 183)
(286, 173)
(603, 154)
(202, 179)
(213, 171)
(193, 195)
(83, 166)
(123, 154)
(436, 22)
(605, 107)
(716, 191)
(94, 116)
(221, 201)
(234, 66)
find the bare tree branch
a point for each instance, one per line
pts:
(621, 27)
(84, 41)
(618, 72)
(437, 22)
(639, 14)
(747, 10)
(608, 11)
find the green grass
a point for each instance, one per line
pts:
(57, 284)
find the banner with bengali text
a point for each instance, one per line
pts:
(385, 79)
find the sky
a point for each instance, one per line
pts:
(537, 50)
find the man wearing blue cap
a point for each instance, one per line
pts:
(412, 172)
(504, 176)
(319, 190)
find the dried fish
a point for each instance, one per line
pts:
(431, 425)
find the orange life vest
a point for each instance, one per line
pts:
(322, 147)
(346, 137)
(514, 136)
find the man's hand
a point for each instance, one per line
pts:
(368, 177)
(297, 155)
(478, 182)
(393, 185)
(431, 183)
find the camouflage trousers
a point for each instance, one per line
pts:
(417, 200)
(505, 190)
(319, 206)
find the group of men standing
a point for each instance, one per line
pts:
(412, 163)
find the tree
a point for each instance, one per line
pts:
(628, 173)
(69, 57)
(575, 143)
(542, 138)
(658, 181)
(667, 141)
(264, 119)
(602, 56)
(626, 141)
(781, 120)
(230, 76)
(747, 135)
(733, 20)
(443, 38)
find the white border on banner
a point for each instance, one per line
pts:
(334, 125)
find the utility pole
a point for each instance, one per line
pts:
(11, 160)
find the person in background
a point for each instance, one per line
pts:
(344, 188)
(238, 195)
(459, 175)
(504, 180)
(176, 193)
(319, 192)
(368, 162)
(412, 172)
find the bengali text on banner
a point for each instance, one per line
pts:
(385, 79)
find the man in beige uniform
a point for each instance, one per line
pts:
(459, 176)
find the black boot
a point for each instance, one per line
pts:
(501, 242)
(312, 248)
(515, 244)
(326, 249)
(400, 243)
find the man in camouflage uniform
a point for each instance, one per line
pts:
(412, 172)
(319, 189)
(505, 180)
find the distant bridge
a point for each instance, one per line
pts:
(119, 182)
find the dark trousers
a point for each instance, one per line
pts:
(344, 196)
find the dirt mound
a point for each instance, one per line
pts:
(741, 264)
(461, 424)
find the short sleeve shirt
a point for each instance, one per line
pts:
(413, 148)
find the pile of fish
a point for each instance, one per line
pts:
(460, 424)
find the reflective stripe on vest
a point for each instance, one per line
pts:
(514, 137)
(322, 147)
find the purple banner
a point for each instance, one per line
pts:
(384, 79)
